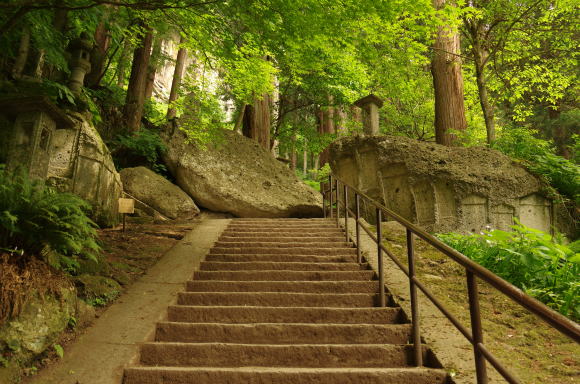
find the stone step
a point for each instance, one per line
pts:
(282, 355)
(277, 299)
(278, 375)
(282, 239)
(283, 224)
(282, 258)
(270, 244)
(265, 275)
(284, 286)
(295, 231)
(288, 251)
(283, 333)
(265, 234)
(288, 219)
(272, 266)
(311, 315)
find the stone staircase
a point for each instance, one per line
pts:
(281, 301)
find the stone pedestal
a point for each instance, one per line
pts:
(370, 106)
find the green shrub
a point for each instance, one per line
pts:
(532, 260)
(539, 157)
(140, 148)
(37, 221)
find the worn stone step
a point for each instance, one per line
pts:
(284, 286)
(264, 333)
(288, 251)
(278, 375)
(265, 234)
(269, 244)
(296, 231)
(312, 315)
(283, 224)
(286, 266)
(283, 239)
(282, 258)
(282, 355)
(283, 275)
(277, 299)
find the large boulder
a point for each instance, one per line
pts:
(158, 192)
(237, 176)
(446, 188)
(81, 163)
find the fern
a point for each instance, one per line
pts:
(38, 221)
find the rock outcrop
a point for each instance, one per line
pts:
(236, 176)
(445, 189)
(158, 192)
(81, 163)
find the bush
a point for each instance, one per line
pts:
(141, 148)
(37, 221)
(530, 259)
(539, 157)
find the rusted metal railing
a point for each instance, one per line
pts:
(473, 272)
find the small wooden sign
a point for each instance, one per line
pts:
(126, 205)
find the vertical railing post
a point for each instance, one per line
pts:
(417, 350)
(337, 202)
(358, 250)
(346, 213)
(330, 186)
(382, 298)
(476, 328)
(323, 189)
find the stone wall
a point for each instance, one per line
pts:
(446, 189)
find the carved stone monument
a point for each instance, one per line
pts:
(36, 121)
(80, 62)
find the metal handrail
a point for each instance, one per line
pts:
(472, 269)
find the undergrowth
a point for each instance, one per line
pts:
(143, 147)
(37, 221)
(539, 157)
(536, 262)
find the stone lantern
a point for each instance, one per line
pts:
(370, 105)
(36, 120)
(79, 62)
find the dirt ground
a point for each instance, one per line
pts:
(535, 352)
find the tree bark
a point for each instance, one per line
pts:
(176, 83)
(305, 161)
(136, 89)
(480, 57)
(23, 50)
(256, 122)
(152, 68)
(98, 55)
(447, 83)
(122, 64)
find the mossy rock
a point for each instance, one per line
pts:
(97, 288)
(92, 267)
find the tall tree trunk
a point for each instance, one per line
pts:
(559, 133)
(23, 50)
(480, 57)
(152, 68)
(447, 83)
(39, 64)
(305, 161)
(98, 55)
(176, 83)
(256, 123)
(122, 64)
(136, 89)
(293, 154)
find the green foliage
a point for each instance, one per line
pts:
(532, 260)
(59, 350)
(538, 156)
(37, 221)
(144, 145)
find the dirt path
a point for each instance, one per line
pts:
(100, 354)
